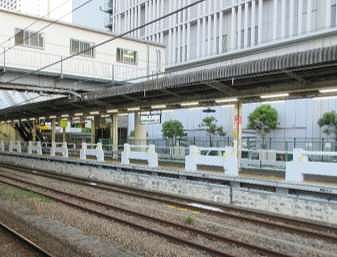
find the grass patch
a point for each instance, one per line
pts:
(189, 220)
(15, 194)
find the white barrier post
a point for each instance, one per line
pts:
(231, 162)
(99, 152)
(83, 152)
(295, 168)
(153, 160)
(125, 155)
(191, 159)
(2, 146)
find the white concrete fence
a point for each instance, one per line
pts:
(301, 165)
(15, 146)
(34, 148)
(95, 150)
(211, 156)
(140, 152)
(59, 148)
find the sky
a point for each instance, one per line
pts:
(89, 15)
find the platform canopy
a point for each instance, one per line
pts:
(300, 74)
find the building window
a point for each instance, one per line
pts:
(28, 38)
(84, 48)
(126, 56)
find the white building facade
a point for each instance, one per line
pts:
(54, 9)
(220, 27)
(117, 60)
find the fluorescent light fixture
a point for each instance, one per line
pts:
(76, 118)
(78, 114)
(112, 111)
(274, 96)
(159, 106)
(42, 118)
(32, 119)
(226, 100)
(134, 109)
(122, 114)
(16, 121)
(52, 117)
(90, 117)
(328, 90)
(189, 104)
(105, 115)
(325, 98)
(94, 113)
(23, 119)
(9, 121)
(64, 115)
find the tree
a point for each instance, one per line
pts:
(329, 123)
(263, 119)
(209, 123)
(172, 129)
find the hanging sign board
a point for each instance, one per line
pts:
(152, 117)
(63, 124)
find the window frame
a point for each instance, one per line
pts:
(27, 38)
(121, 56)
(84, 54)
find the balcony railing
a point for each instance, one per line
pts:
(81, 67)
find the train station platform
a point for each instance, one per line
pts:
(249, 190)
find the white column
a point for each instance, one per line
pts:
(139, 20)
(140, 131)
(203, 36)
(260, 29)
(215, 27)
(253, 16)
(53, 131)
(146, 18)
(220, 30)
(179, 43)
(169, 46)
(114, 135)
(188, 43)
(283, 18)
(233, 25)
(198, 38)
(275, 19)
(291, 18)
(309, 15)
(174, 49)
(239, 25)
(245, 34)
(328, 14)
(209, 30)
(183, 40)
(300, 16)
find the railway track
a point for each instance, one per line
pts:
(13, 243)
(208, 242)
(289, 224)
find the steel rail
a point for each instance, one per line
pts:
(293, 225)
(26, 241)
(177, 226)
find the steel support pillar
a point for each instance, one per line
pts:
(114, 135)
(53, 131)
(237, 130)
(93, 131)
(34, 131)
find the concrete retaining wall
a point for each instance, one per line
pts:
(280, 202)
